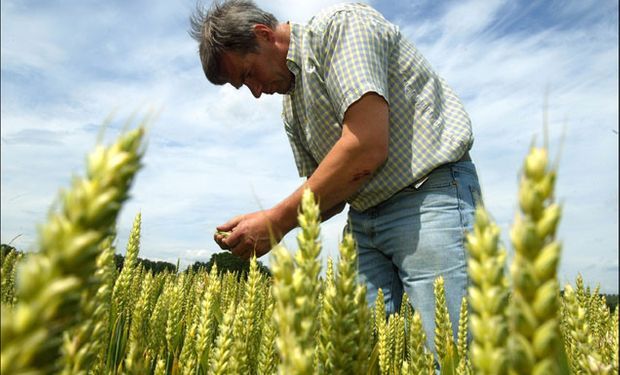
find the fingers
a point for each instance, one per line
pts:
(239, 247)
(219, 239)
(246, 247)
(224, 232)
(245, 235)
(234, 238)
(226, 240)
(230, 224)
(237, 241)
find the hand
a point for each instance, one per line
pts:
(249, 234)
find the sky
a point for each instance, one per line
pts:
(215, 152)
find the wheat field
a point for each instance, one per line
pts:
(65, 309)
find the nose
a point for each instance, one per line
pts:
(254, 88)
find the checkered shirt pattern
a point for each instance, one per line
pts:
(347, 51)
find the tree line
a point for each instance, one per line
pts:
(228, 262)
(225, 261)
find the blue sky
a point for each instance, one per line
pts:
(215, 152)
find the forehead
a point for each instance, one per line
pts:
(232, 65)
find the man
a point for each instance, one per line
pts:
(370, 123)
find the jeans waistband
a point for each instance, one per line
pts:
(416, 185)
(465, 157)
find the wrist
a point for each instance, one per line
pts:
(284, 218)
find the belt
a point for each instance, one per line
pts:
(419, 182)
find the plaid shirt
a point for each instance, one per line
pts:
(347, 51)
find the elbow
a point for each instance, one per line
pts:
(369, 163)
(377, 157)
(365, 156)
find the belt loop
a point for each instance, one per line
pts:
(418, 184)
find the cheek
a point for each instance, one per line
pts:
(269, 73)
(259, 74)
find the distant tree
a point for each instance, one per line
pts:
(612, 301)
(153, 266)
(157, 266)
(119, 260)
(226, 261)
(199, 265)
(7, 249)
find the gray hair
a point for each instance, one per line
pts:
(226, 26)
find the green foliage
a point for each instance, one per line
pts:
(149, 265)
(6, 249)
(227, 262)
(611, 300)
(488, 296)
(296, 292)
(56, 284)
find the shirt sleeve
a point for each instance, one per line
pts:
(357, 44)
(303, 160)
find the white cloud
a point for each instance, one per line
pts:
(41, 52)
(467, 19)
(300, 13)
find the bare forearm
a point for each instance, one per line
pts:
(361, 149)
(343, 171)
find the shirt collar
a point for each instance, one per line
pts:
(293, 58)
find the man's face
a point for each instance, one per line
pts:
(263, 72)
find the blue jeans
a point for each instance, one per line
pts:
(407, 241)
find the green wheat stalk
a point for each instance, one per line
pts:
(296, 292)
(444, 342)
(50, 283)
(488, 296)
(534, 332)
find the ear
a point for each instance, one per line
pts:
(264, 32)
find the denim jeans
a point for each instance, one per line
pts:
(407, 241)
